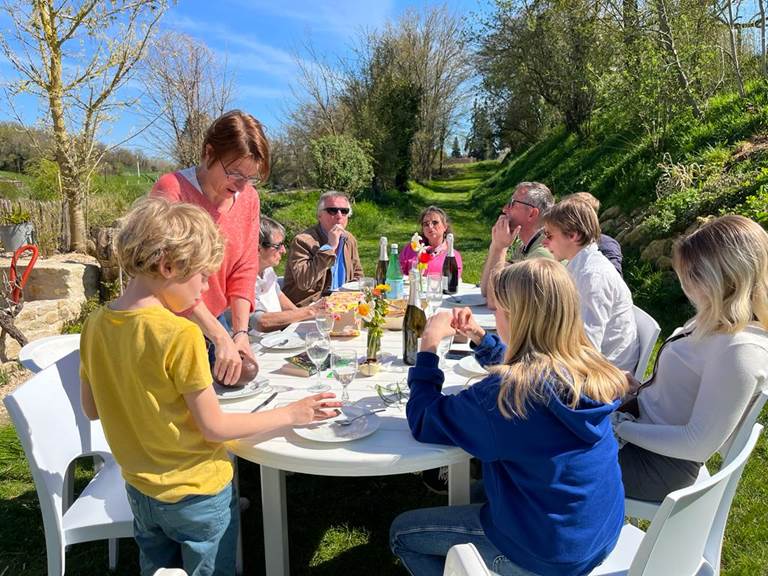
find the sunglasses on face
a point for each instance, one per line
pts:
(237, 178)
(332, 210)
(512, 203)
(273, 246)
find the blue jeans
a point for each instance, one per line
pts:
(422, 538)
(197, 533)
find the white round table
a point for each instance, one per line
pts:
(390, 450)
(39, 354)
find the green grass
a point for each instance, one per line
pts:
(341, 525)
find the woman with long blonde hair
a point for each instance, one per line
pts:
(540, 425)
(709, 371)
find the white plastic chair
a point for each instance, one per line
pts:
(648, 331)
(464, 560)
(685, 537)
(645, 510)
(54, 432)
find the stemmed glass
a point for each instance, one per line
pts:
(434, 292)
(344, 367)
(318, 348)
(324, 322)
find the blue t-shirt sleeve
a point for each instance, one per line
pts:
(461, 420)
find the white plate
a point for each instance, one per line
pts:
(329, 432)
(282, 341)
(465, 300)
(253, 387)
(353, 286)
(469, 364)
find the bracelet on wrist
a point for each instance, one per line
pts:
(238, 332)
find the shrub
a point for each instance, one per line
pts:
(341, 163)
(45, 179)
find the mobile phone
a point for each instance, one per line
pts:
(458, 354)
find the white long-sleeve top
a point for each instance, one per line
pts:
(703, 387)
(606, 307)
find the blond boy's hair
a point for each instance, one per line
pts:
(548, 350)
(180, 234)
(573, 216)
(585, 197)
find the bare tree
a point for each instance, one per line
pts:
(74, 56)
(186, 88)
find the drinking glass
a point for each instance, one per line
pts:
(324, 322)
(344, 368)
(318, 348)
(367, 283)
(434, 292)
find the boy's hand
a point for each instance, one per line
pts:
(313, 408)
(464, 322)
(438, 327)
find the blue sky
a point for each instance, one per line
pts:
(259, 39)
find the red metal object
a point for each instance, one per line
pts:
(17, 284)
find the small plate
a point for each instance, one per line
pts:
(253, 387)
(465, 300)
(281, 341)
(353, 286)
(469, 364)
(329, 432)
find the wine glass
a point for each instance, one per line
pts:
(434, 292)
(324, 322)
(344, 367)
(318, 348)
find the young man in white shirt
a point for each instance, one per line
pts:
(571, 232)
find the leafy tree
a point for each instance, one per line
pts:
(341, 163)
(455, 149)
(74, 57)
(481, 143)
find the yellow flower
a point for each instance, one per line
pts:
(383, 288)
(365, 311)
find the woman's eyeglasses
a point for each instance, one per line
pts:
(273, 246)
(237, 178)
(333, 210)
(433, 223)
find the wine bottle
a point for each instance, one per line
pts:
(414, 322)
(381, 267)
(394, 275)
(450, 269)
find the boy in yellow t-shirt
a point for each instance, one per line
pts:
(144, 372)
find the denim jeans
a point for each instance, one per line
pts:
(198, 533)
(422, 538)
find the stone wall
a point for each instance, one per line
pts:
(55, 291)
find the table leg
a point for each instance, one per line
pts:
(275, 521)
(458, 483)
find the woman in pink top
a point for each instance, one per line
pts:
(235, 154)
(435, 226)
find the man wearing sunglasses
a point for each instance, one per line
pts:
(324, 256)
(519, 228)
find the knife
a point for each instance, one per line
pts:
(267, 401)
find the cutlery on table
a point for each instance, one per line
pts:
(267, 401)
(349, 421)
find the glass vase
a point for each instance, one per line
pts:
(373, 343)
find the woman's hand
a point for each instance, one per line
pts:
(316, 307)
(438, 327)
(313, 408)
(464, 323)
(226, 369)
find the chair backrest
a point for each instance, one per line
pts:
(53, 430)
(648, 331)
(465, 560)
(686, 522)
(735, 443)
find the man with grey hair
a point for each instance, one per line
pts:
(324, 256)
(518, 227)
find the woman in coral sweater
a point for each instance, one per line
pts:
(235, 154)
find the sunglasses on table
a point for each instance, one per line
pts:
(333, 210)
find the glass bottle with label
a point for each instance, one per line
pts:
(381, 266)
(414, 321)
(394, 275)
(450, 269)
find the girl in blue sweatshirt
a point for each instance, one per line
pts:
(540, 425)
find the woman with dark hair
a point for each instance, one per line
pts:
(235, 155)
(435, 226)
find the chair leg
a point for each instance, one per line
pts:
(113, 553)
(239, 551)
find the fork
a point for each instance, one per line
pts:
(349, 421)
